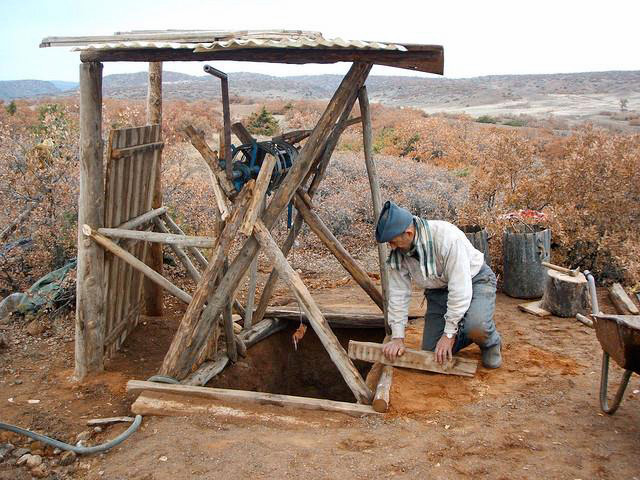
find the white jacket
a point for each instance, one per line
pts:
(457, 262)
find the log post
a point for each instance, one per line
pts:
(381, 397)
(180, 355)
(152, 293)
(227, 318)
(335, 247)
(317, 321)
(90, 313)
(372, 172)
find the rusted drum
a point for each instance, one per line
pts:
(524, 249)
(479, 239)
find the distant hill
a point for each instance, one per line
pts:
(577, 95)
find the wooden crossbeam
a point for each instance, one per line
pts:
(137, 264)
(142, 219)
(416, 359)
(316, 319)
(193, 334)
(211, 158)
(118, 153)
(159, 237)
(180, 253)
(147, 407)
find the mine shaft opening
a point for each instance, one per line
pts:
(275, 366)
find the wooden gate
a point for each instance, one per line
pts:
(133, 154)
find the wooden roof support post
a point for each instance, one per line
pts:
(372, 172)
(179, 358)
(152, 292)
(321, 164)
(313, 313)
(90, 313)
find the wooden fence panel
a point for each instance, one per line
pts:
(130, 176)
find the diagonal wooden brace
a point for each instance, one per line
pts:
(316, 319)
(334, 246)
(192, 335)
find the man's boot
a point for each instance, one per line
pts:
(492, 356)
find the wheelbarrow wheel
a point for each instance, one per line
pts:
(604, 381)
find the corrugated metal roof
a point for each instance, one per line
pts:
(295, 41)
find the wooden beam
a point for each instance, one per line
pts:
(137, 264)
(296, 136)
(179, 357)
(424, 58)
(242, 133)
(262, 330)
(621, 301)
(211, 158)
(374, 184)
(90, 313)
(317, 321)
(320, 163)
(151, 292)
(221, 394)
(416, 359)
(142, 219)
(381, 398)
(251, 294)
(197, 255)
(259, 193)
(227, 318)
(158, 237)
(335, 319)
(192, 317)
(118, 153)
(335, 247)
(180, 253)
(207, 370)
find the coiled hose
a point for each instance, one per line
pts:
(87, 450)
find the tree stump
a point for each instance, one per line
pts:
(565, 295)
(525, 247)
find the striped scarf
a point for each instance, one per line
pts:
(423, 245)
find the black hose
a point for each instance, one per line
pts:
(79, 450)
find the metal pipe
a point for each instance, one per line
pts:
(595, 308)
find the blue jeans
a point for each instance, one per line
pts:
(477, 326)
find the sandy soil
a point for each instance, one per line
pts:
(536, 417)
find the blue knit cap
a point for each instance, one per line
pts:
(393, 221)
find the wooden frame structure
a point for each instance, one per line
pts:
(103, 222)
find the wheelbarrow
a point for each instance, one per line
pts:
(619, 337)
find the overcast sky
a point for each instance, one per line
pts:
(479, 37)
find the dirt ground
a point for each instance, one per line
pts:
(536, 417)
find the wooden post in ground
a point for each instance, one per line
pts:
(152, 293)
(372, 172)
(180, 357)
(90, 313)
(317, 321)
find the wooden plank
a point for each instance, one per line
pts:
(259, 193)
(90, 319)
(159, 237)
(424, 58)
(207, 370)
(119, 153)
(180, 357)
(137, 264)
(242, 133)
(221, 394)
(534, 308)
(109, 420)
(142, 219)
(621, 301)
(374, 185)
(342, 255)
(336, 319)
(227, 319)
(211, 159)
(416, 359)
(262, 330)
(381, 398)
(251, 294)
(305, 300)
